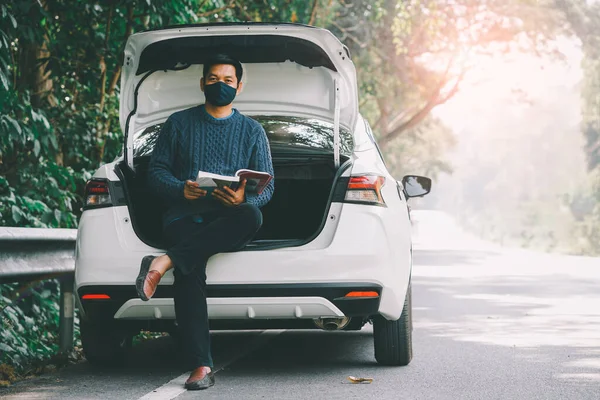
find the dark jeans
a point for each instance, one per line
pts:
(192, 244)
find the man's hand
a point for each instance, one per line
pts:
(229, 197)
(192, 191)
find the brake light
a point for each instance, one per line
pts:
(365, 189)
(95, 297)
(97, 193)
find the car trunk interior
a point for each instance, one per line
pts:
(303, 184)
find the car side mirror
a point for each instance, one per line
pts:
(416, 186)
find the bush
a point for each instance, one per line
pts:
(29, 318)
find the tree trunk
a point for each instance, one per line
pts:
(313, 13)
(37, 78)
(101, 135)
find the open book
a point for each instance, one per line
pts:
(256, 181)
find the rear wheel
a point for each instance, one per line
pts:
(393, 339)
(103, 344)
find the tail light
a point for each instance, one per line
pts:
(97, 194)
(95, 297)
(365, 189)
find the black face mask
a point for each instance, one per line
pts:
(219, 94)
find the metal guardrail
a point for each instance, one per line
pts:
(28, 254)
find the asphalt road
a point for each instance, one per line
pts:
(490, 323)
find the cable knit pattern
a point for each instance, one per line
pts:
(192, 140)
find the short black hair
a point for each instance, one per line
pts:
(223, 59)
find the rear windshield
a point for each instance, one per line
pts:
(281, 131)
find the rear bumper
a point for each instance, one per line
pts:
(367, 245)
(237, 302)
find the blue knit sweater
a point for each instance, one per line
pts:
(192, 140)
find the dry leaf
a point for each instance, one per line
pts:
(354, 379)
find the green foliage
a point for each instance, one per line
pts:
(29, 318)
(583, 18)
(60, 64)
(585, 209)
(34, 189)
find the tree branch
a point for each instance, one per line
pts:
(313, 14)
(376, 124)
(363, 101)
(103, 59)
(454, 89)
(248, 16)
(349, 35)
(113, 83)
(128, 31)
(435, 99)
(202, 4)
(394, 123)
(218, 10)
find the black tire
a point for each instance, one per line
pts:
(393, 339)
(103, 344)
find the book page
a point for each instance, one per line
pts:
(209, 181)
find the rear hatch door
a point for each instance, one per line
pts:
(289, 69)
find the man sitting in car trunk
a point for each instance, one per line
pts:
(217, 138)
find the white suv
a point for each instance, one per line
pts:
(335, 247)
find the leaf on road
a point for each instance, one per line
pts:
(354, 379)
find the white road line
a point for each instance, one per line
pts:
(174, 387)
(169, 390)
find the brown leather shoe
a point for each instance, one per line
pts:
(200, 379)
(147, 281)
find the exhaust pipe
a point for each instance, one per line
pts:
(331, 324)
